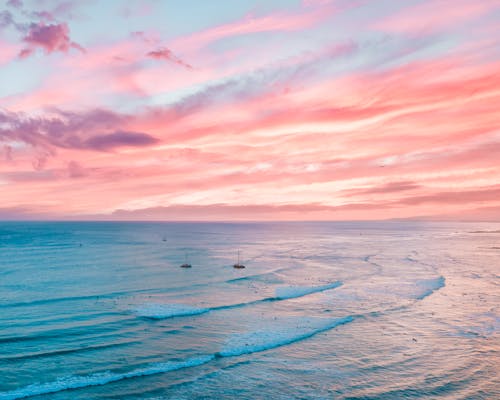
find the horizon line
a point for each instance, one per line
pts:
(410, 219)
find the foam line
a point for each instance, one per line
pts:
(163, 311)
(77, 382)
(292, 292)
(243, 344)
(265, 340)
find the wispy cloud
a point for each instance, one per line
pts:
(162, 53)
(320, 110)
(15, 3)
(435, 16)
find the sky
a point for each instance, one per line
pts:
(250, 110)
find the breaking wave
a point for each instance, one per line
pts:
(162, 311)
(257, 341)
(291, 292)
(76, 382)
(243, 344)
(169, 310)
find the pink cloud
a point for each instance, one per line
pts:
(314, 211)
(276, 22)
(15, 3)
(50, 38)
(340, 133)
(75, 170)
(391, 187)
(97, 130)
(163, 53)
(8, 52)
(435, 15)
(116, 139)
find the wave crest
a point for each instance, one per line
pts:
(257, 341)
(291, 292)
(162, 311)
(170, 310)
(243, 344)
(78, 381)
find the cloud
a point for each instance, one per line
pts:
(141, 35)
(119, 139)
(310, 211)
(486, 214)
(15, 3)
(6, 19)
(19, 213)
(94, 119)
(490, 193)
(435, 15)
(391, 187)
(43, 15)
(98, 129)
(75, 170)
(295, 107)
(65, 9)
(51, 38)
(163, 53)
(214, 212)
(250, 24)
(7, 152)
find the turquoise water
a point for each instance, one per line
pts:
(394, 310)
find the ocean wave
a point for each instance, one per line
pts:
(269, 339)
(73, 331)
(239, 345)
(292, 292)
(428, 286)
(171, 310)
(267, 277)
(90, 297)
(98, 379)
(25, 357)
(162, 310)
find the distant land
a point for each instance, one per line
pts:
(227, 213)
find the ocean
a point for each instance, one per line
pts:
(337, 310)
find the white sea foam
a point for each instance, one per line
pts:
(238, 345)
(254, 342)
(291, 292)
(167, 310)
(162, 311)
(76, 381)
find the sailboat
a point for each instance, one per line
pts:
(186, 264)
(238, 265)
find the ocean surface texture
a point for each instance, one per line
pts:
(399, 310)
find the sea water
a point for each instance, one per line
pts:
(358, 310)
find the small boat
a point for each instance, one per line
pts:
(186, 264)
(238, 265)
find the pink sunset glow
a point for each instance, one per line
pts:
(308, 111)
